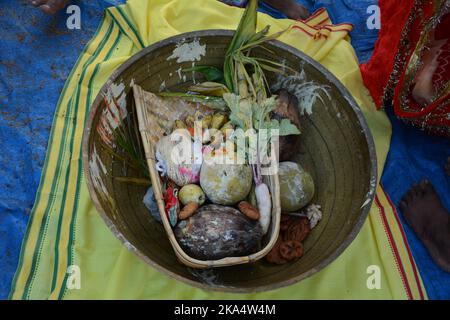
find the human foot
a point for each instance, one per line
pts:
(427, 216)
(290, 8)
(50, 6)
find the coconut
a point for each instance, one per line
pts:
(226, 184)
(215, 232)
(296, 186)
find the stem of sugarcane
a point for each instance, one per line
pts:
(242, 81)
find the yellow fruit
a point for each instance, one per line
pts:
(227, 129)
(218, 120)
(179, 125)
(191, 193)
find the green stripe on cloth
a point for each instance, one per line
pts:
(64, 163)
(48, 172)
(69, 110)
(128, 28)
(89, 100)
(106, 40)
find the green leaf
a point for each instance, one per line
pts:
(240, 111)
(285, 127)
(259, 35)
(212, 74)
(209, 89)
(245, 31)
(261, 112)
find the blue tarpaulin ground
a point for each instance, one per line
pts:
(37, 53)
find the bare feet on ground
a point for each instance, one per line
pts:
(290, 8)
(430, 220)
(50, 6)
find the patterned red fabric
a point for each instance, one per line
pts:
(402, 22)
(376, 72)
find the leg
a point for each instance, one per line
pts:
(50, 6)
(290, 8)
(427, 216)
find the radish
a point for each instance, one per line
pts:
(264, 203)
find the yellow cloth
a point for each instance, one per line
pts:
(65, 229)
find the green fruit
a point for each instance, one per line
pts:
(226, 184)
(191, 193)
(296, 186)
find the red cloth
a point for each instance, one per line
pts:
(402, 22)
(376, 72)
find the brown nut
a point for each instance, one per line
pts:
(248, 210)
(274, 254)
(188, 210)
(285, 222)
(297, 230)
(291, 250)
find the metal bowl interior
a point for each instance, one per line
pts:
(337, 149)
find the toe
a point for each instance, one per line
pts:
(58, 4)
(413, 191)
(403, 205)
(53, 6)
(47, 9)
(425, 184)
(38, 3)
(407, 197)
(422, 188)
(419, 189)
(427, 187)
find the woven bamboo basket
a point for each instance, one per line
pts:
(151, 128)
(336, 148)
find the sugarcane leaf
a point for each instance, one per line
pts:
(248, 45)
(274, 63)
(229, 73)
(269, 68)
(216, 103)
(209, 89)
(263, 48)
(259, 35)
(245, 31)
(246, 28)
